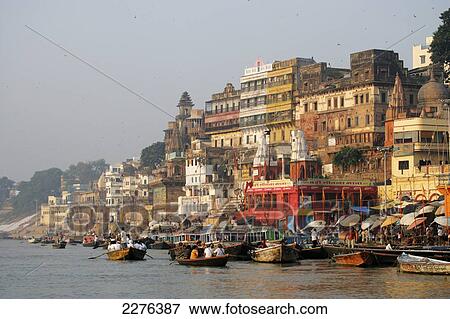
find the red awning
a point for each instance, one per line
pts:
(416, 222)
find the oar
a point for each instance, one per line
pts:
(97, 256)
(149, 256)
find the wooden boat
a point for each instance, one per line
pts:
(161, 245)
(218, 261)
(237, 251)
(88, 241)
(385, 256)
(313, 253)
(34, 240)
(280, 253)
(128, 253)
(359, 259)
(422, 265)
(59, 245)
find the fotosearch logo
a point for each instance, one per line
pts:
(84, 218)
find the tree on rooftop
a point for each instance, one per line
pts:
(440, 46)
(152, 155)
(347, 157)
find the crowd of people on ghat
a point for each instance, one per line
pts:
(124, 240)
(201, 250)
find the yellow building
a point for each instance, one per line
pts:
(282, 85)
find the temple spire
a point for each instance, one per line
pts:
(398, 97)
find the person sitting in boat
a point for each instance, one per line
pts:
(263, 244)
(187, 252)
(194, 252)
(219, 250)
(207, 252)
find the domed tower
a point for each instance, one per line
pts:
(430, 96)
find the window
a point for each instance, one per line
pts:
(315, 126)
(367, 97)
(329, 103)
(361, 99)
(356, 121)
(324, 126)
(215, 143)
(248, 139)
(356, 99)
(315, 106)
(221, 143)
(342, 101)
(367, 119)
(335, 102)
(254, 138)
(411, 99)
(305, 106)
(402, 165)
(383, 97)
(282, 135)
(422, 59)
(349, 122)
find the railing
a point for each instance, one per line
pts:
(279, 83)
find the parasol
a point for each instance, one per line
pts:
(389, 221)
(425, 210)
(442, 220)
(340, 219)
(368, 222)
(351, 220)
(440, 211)
(436, 203)
(416, 222)
(316, 224)
(377, 223)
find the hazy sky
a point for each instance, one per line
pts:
(55, 111)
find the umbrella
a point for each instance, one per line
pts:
(369, 222)
(416, 222)
(377, 223)
(425, 210)
(442, 220)
(389, 221)
(436, 203)
(440, 211)
(340, 219)
(351, 220)
(403, 204)
(316, 224)
(407, 219)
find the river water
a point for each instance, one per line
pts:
(35, 271)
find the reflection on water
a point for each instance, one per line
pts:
(34, 271)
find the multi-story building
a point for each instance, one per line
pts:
(208, 182)
(421, 54)
(222, 118)
(253, 113)
(113, 185)
(282, 85)
(419, 135)
(337, 108)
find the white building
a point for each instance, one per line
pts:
(206, 188)
(113, 185)
(421, 54)
(252, 115)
